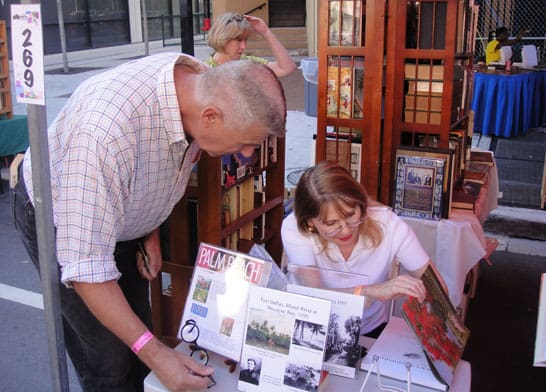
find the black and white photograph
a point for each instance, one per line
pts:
(342, 346)
(250, 370)
(300, 376)
(308, 334)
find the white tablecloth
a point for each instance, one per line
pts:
(455, 245)
(226, 381)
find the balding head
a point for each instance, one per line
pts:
(247, 93)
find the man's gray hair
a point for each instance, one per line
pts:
(247, 93)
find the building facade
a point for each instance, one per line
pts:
(90, 24)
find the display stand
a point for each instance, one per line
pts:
(416, 94)
(201, 217)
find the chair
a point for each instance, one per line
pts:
(506, 53)
(529, 56)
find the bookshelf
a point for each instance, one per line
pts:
(201, 217)
(393, 73)
(5, 86)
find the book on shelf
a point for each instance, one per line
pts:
(339, 95)
(358, 88)
(259, 199)
(246, 204)
(352, 134)
(476, 172)
(351, 23)
(230, 212)
(465, 195)
(345, 25)
(285, 339)
(539, 358)
(271, 149)
(394, 350)
(236, 167)
(346, 153)
(342, 353)
(438, 327)
(482, 156)
(218, 296)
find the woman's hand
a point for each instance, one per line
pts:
(257, 24)
(397, 287)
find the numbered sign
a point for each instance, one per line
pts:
(27, 53)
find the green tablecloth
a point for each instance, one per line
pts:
(13, 135)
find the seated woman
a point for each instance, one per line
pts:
(336, 226)
(228, 37)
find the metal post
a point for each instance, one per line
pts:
(145, 27)
(186, 26)
(45, 231)
(62, 34)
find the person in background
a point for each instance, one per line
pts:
(228, 38)
(121, 152)
(498, 39)
(336, 226)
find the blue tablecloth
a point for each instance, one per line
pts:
(508, 105)
(13, 135)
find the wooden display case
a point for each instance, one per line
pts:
(5, 85)
(200, 217)
(392, 73)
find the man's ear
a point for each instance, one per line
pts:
(210, 115)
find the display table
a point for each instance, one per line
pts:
(457, 244)
(13, 135)
(508, 104)
(226, 381)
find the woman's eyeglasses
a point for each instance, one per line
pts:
(236, 18)
(189, 334)
(349, 222)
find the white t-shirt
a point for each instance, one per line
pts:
(399, 242)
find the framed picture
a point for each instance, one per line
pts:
(422, 183)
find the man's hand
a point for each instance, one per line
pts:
(149, 258)
(175, 370)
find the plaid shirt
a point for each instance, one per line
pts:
(119, 163)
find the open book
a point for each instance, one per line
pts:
(218, 297)
(438, 327)
(285, 337)
(540, 340)
(342, 348)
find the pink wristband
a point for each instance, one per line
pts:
(141, 341)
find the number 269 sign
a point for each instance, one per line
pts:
(27, 53)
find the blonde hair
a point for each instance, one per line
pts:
(326, 184)
(226, 27)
